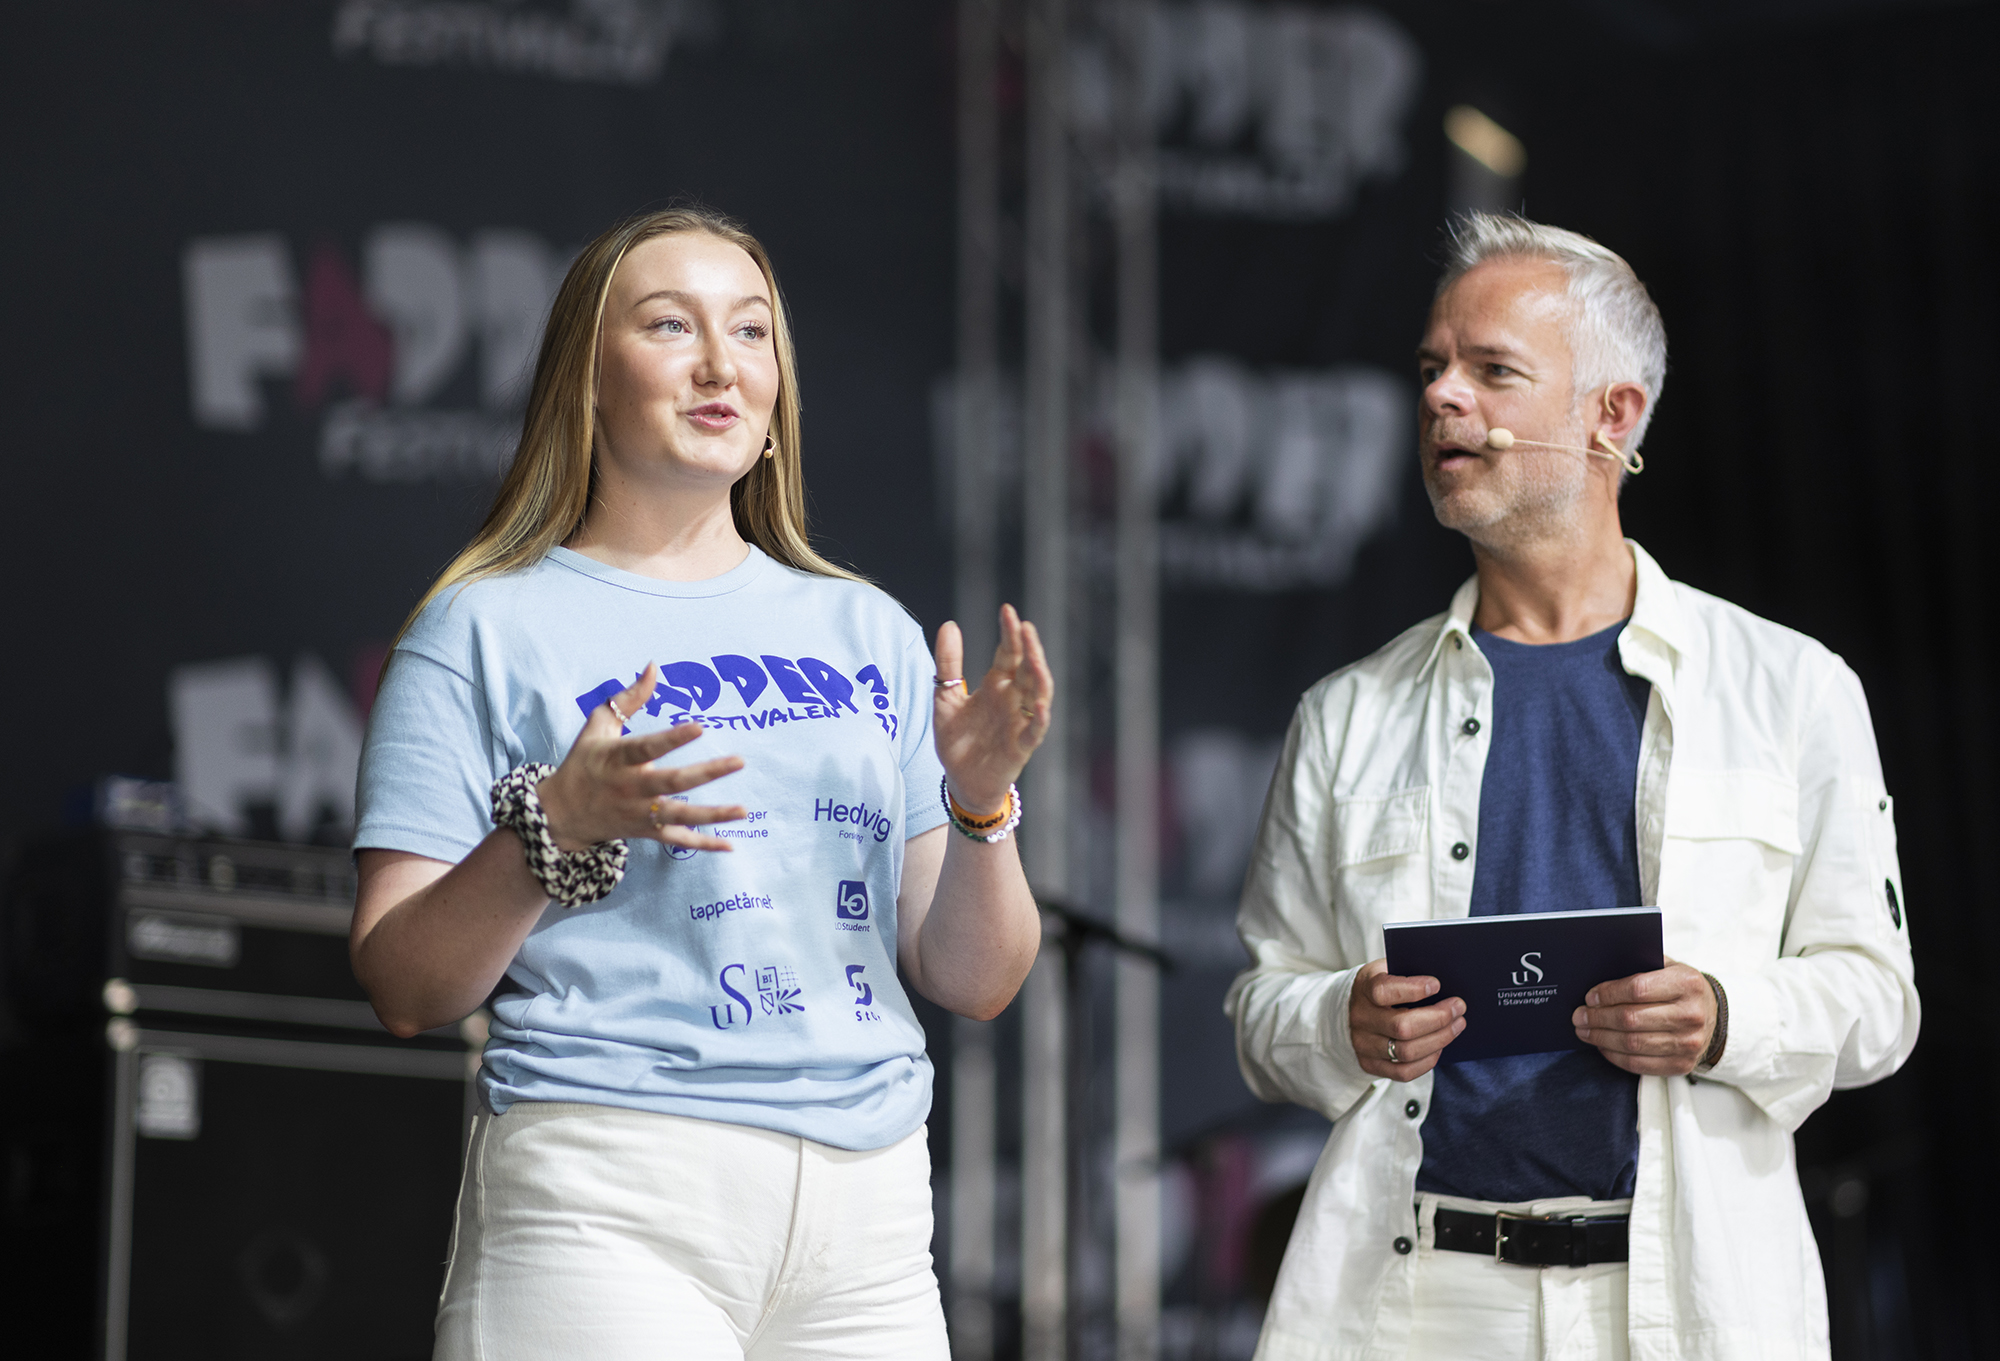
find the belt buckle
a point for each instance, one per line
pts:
(1500, 1218)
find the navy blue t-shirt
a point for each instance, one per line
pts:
(1556, 834)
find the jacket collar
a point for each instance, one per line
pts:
(1656, 614)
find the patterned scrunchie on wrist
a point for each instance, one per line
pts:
(570, 878)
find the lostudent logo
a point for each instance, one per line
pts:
(850, 902)
(1522, 980)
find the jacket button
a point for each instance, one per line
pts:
(1460, 850)
(1413, 1110)
(1403, 1246)
(1470, 727)
(1883, 806)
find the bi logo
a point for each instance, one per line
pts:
(777, 988)
(1521, 978)
(850, 901)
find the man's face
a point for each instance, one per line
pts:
(1497, 353)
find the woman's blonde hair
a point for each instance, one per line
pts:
(547, 489)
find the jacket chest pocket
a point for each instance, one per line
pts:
(1732, 840)
(1380, 871)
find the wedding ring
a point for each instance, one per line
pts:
(941, 683)
(1392, 1052)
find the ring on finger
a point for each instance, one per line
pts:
(939, 682)
(623, 721)
(1392, 1052)
(656, 814)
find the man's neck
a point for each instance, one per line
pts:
(1555, 590)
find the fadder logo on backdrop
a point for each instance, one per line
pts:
(412, 366)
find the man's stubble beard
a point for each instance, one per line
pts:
(1533, 496)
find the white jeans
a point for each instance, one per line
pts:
(602, 1233)
(1472, 1308)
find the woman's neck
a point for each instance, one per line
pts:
(667, 535)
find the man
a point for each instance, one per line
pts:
(1576, 732)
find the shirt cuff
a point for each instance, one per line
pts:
(1337, 1041)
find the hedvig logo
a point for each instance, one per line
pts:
(1522, 980)
(860, 815)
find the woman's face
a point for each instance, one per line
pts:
(688, 370)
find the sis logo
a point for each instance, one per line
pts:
(864, 996)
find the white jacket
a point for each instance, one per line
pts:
(1768, 839)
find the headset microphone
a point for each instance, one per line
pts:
(1503, 439)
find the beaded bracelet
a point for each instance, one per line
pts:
(1719, 1040)
(988, 829)
(571, 878)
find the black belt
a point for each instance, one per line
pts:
(1524, 1240)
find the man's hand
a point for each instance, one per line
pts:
(1658, 1022)
(1416, 1037)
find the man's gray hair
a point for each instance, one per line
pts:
(1617, 335)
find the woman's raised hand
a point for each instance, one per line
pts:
(985, 736)
(607, 787)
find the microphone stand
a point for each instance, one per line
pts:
(1079, 930)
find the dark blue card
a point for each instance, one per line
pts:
(1523, 974)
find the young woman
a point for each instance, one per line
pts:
(705, 1091)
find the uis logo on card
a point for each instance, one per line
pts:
(850, 905)
(1526, 988)
(706, 692)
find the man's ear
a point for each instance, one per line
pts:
(1624, 404)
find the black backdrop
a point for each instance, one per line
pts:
(1808, 190)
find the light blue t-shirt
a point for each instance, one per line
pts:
(756, 987)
